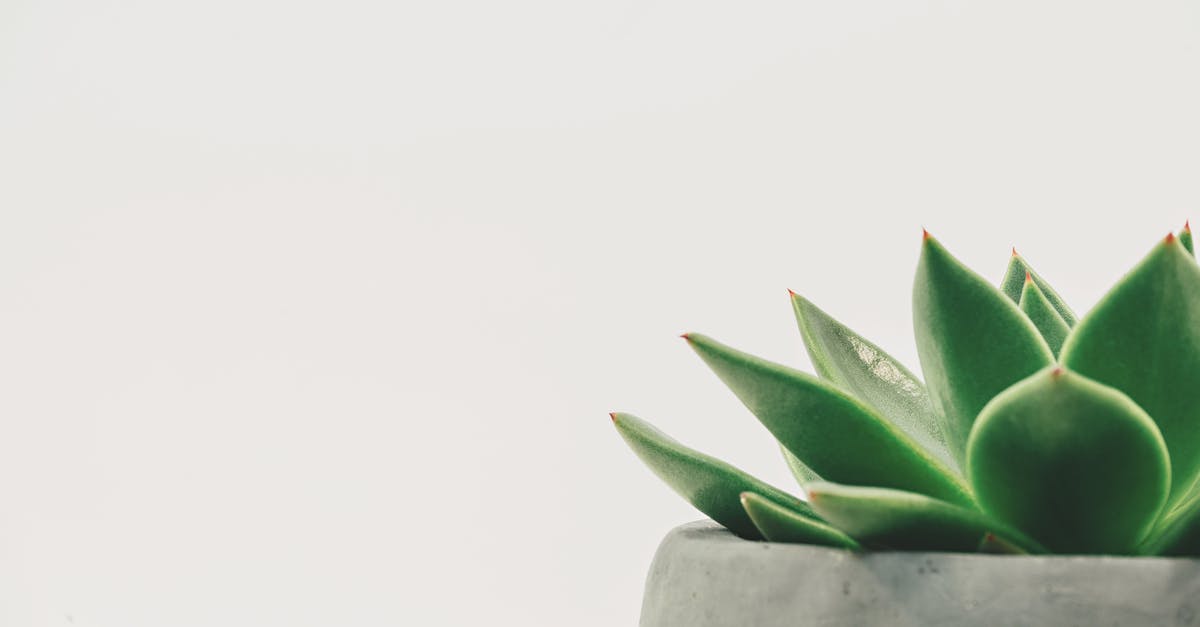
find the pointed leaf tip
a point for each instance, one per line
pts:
(711, 485)
(792, 293)
(1041, 312)
(868, 373)
(686, 336)
(1185, 238)
(1014, 252)
(1169, 238)
(612, 415)
(924, 234)
(1014, 282)
(972, 340)
(1119, 470)
(1151, 361)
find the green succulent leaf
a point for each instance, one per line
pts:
(1051, 325)
(711, 485)
(973, 342)
(1185, 238)
(895, 519)
(780, 524)
(1014, 282)
(1176, 533)
(858, 366)
(799, 469)
(834, 434)
(1143, 338)
(1072, 462)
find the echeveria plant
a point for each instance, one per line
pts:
(1032, 432)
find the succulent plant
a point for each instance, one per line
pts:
(1033, 431)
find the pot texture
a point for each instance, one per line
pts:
(704, 576)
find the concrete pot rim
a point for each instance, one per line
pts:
(704, 576)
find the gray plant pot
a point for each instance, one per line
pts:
(704, 576)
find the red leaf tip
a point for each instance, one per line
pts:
(792, 294)
(924, 234)
(613, 415)
(685, 336)
(1170, 238)
(1028, 277)
(1014, 252)
(1187, 226)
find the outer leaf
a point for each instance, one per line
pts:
(710, 484)
(780, 524)
(1185, 238)
(1177, 533)
(973, 342)
(872, 376)
(836, 435)
(894, 519)
(1143, 338)
(1051, 325)
(799, 469)
(1014, 282)
(1073, 463)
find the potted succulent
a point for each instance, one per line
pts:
(1046, 472)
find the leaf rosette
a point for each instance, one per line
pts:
(1033, 431)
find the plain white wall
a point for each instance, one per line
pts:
(312, 312)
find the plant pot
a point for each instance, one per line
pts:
(704, 576)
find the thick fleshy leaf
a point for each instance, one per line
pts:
(894, 519)
(1176, 533)
(1143, 338)
(834, 434)
(1014, 281)
(1043, 315)
(973, 341)
(799, 469)
(1069, 461)
(872, 376)
(711, 485)
(780, 524)
(1185, 238)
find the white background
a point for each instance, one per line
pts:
(311, 313)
